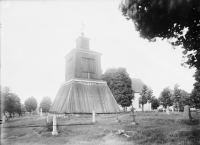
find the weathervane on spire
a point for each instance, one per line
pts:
(82, 33)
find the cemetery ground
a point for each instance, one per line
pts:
(153, 128)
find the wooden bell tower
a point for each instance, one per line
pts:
(83, 90)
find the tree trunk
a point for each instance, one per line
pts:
(133, 113)
(142, 107)
(10, 115)
(196, 109)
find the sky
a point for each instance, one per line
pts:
(36, 36)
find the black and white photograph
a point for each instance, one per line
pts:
(100, 72)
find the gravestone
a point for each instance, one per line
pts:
(167, 110)
(186, 113)
(3, 119)
(93, 117)
(172, 108)
(55, 132)
(48, 118)
(41, 112)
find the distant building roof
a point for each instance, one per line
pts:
(137, 85)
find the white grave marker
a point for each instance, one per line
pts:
(167, 110)
(41, 112)
(55, 132)
(3, 119)
(93, 117)
(48, 119)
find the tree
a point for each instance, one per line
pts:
(149, 95)
(30, 104)
(166, 97)
(23, 109)
(45, 104)
(120, 85)
(11, 102)
(184, 99)
(143, 98)
(155, 103)
(195, 95)
(176, 97)
(167, 19)
(18, 106)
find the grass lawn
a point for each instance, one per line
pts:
(153, 128)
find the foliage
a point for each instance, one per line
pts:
(166, 97)
(120, 85)
(11, 102)
(143, 99)
(30, 104)
(180, 98)
(45, 104)
(23, 109)
(149, 95)
(195, 95)
(155, 103)
(146, 96)
(168, 19)
(184, 100)
(176, 97)
(18, 105)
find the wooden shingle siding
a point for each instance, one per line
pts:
(84, 97)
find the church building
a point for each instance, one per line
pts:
(137, 86)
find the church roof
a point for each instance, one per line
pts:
(137, 85)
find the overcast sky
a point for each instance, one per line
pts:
(36, 35)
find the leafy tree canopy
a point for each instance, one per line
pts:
(195, 95)
(154, 103)
(143, 98)
(149, 95)
(167, 19)
(146, 95)
(166, 97)
(45, 104)
(30, 104)
(10, 101)
(120, 85)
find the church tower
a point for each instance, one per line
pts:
(83, 90)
